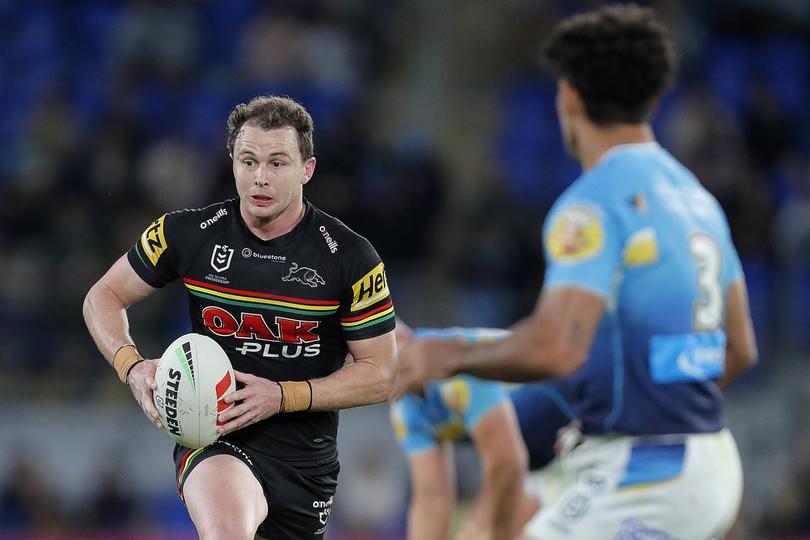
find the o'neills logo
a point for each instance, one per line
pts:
(210, 221)
(171, 402)
(330, 242)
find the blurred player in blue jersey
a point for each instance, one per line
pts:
(644, 302)
(466, 409)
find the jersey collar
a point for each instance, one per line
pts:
(620, 149)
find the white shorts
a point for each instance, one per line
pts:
(685, 487)
(547, 484)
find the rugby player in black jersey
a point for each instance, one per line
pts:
(288, 291)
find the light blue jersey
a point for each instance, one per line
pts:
(450, 409)
(641, 232)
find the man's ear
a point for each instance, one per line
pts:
(309, 170)
(570, 100)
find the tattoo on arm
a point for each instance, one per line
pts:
(575, 337)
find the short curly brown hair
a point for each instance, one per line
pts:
(270, 112)
(619, 58)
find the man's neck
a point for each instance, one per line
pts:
(595, 141)
(278, 226)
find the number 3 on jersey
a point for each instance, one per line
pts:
(707, 311)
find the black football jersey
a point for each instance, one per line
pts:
(282, 309)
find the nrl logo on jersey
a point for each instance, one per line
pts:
(305, 275)
(221, 258)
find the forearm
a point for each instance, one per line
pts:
(520, 357)
(554, 341)
(497, 361)
(105, 315)
(353, 385)
(734, 367)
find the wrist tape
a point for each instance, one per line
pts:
(295, 396)
(124, 359)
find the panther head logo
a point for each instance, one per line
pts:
(305, 275)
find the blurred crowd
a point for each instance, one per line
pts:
(436, 138)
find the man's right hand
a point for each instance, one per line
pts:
(141, 380)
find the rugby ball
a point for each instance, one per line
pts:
(193, 377)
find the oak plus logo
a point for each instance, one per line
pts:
(274, 337)
(221, 258)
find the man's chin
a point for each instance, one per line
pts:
(263, 213)
(266, 213)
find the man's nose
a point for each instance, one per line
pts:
(261, 177)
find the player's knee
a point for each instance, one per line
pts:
(226, 529)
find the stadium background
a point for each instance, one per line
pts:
(436, 138)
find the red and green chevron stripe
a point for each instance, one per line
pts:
(238, 297)
(185, 467)
(370, 318)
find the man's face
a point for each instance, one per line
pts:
(268, 170)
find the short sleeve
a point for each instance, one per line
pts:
(411, 427)
(366, 308)
(471, 398)
(583, 247)
(733, 266)
(152, 256)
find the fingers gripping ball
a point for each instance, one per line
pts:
(193, 377)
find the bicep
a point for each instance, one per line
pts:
(122, 281)
(380, 350)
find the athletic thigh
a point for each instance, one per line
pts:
(224, 498)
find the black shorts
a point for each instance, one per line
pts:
(299, 498)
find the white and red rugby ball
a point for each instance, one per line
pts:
(193, 377)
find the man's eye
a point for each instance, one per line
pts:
(277, 164)
(248, 162)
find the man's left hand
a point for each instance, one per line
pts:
(258, 399)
